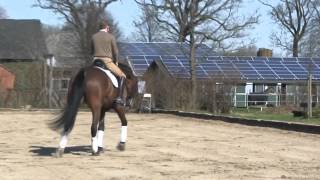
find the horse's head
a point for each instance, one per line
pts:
(131, 82)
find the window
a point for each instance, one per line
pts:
(61, 84)
(64, 83)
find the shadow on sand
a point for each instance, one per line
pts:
(50, 151)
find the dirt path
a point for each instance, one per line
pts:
(159, 147)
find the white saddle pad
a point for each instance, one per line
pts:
(111, 76)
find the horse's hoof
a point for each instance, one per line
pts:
(95, 153)
(59, 152)
(100, 150)
(121, 146)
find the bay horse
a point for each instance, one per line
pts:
(97, 90)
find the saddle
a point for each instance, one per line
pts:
(98, 63)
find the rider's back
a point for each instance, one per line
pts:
(103, 43)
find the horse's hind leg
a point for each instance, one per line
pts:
(101, 132)
(123, 136)
(94, 127)
(62, 144)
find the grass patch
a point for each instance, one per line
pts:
(279, 114)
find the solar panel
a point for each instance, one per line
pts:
(246, 58)
(274, 59)
(212, 69)
(304, 59)
(204, 51)
(263, 69)
(139, 64)
(246, 70)
(280, 70)
(290, 59)
(214, 58)
(259, 58)
(295, 68)
(177, 62)
(161, 49)
(316, 60)
(230, 58)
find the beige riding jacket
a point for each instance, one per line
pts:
(105, 45)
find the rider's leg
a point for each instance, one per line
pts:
(120, 99)
(116, 70)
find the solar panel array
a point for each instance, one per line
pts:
(208, 66)
(160, 49)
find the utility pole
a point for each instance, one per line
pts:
(310, 92)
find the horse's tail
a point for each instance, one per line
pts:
(67, 118)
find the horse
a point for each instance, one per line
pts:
(97, 90)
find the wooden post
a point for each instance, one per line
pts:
(45, 80)
(309, 113)
(50, 81)
(309, 95)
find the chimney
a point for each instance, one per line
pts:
(263, 52)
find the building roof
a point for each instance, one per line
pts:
(161, 49)
(21, 40)
(242, 69)
(141, 54)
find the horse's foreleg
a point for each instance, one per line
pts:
(123, 136)
(101, 132)
(94, 128)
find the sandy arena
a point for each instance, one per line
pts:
(159, 147)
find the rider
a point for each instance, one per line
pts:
(104, 47)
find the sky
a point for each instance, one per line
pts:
(127, 11)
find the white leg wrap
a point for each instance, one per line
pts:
(100, 138)
(94, 144)
(123, 137)
(63, 141)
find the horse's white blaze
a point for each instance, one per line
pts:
(95, 144)
(63, 141)
(100, 138)
(123, 136)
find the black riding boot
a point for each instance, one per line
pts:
(120, 99)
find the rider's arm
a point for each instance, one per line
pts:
(115, 51)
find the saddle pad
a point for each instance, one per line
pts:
(111, 76)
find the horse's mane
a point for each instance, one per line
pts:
(126, 69)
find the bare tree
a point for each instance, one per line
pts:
(196, 21)
(293, 16)
(217, 20)
(3, 13)
(316, 7)
(311, 44)
(148, 29)
(83, 16)
(243, 50)
(61, 42)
